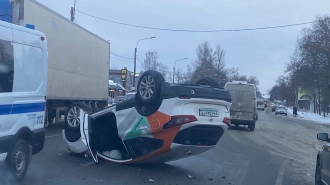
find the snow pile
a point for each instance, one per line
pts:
(311, 116)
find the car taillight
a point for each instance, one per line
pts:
(227, 121)
(179, 120)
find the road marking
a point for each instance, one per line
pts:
(54, 136)
(280, 175)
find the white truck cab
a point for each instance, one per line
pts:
(23, 86)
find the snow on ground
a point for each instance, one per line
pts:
(311, 116)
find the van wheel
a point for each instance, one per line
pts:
(18, 160)
(149, 87)
(72, 120)
(207, 81)
(252, 126)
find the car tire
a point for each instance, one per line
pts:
(318, 173)
(20, 150)
(207, 81)
(72, 135)
(147, 79)
(72, 115)
(147, 109)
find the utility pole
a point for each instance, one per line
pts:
(135, 57)
(175, 66)
(73, 11)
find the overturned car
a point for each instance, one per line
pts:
(164, 122)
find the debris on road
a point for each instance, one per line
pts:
(151, 181)
(223, 177)
(139, 169)
(99, 180)
(211, 179)
(190, 177)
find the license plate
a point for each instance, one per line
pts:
(209, 112)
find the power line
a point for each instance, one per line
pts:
(122, 59)
(139, 59)
(121, 56)
(196, 31)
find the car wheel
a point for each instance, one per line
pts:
(318, 173)
(18, 160)
(149, 87)
(207, 81)
(72, 135)
(72, 120)
(147, 109)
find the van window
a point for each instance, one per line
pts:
(29, 65)
(6, 66)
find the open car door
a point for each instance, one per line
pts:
(84, 130)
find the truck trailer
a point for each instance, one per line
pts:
(78, 60)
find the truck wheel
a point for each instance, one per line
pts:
(72, 114)
(149, 87)
(18, 160)
(207, 81)
(96, 107)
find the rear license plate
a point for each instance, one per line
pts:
(209, 112)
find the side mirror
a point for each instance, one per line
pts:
(323, 136)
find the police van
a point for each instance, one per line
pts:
(23, 86)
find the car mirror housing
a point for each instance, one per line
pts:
(323, 136)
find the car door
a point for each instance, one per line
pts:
(85, 137)
(325, 163)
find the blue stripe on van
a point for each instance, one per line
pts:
(22, 108)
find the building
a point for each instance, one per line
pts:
(120, 83)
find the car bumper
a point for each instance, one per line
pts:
(242, 122)
(281, 112)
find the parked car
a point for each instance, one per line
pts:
(118, 99)
(163, 122)
(281, 110)
(322, 161)
(129, 96)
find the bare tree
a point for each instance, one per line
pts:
(151, 63)
(219, 62)
(179, 76)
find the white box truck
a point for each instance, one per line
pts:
(78, 62)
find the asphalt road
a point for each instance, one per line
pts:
(281, 151)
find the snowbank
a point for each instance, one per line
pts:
(311, 117)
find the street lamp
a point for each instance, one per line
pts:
(175, 66)
(135, 57)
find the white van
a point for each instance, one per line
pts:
(23, 86)
(261, 104)
(243, 110)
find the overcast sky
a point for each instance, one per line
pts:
(262, 53)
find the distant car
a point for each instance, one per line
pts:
(322, 161)
(129, 96)
(110, 101)
(281, 110)
(274, 106)
(260, 104)
(117, 100)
